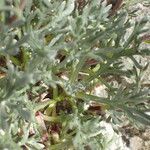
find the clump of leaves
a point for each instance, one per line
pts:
(52, 57)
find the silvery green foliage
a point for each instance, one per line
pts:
(47, 28)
